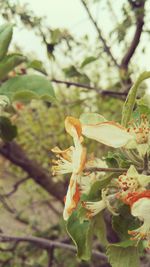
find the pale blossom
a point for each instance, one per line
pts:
(71, 160)
(140, 207)
(110, 133)
(132, 181)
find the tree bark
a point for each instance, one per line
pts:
(15, 154)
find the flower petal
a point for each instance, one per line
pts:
(78, 158)
(91, 118)
(73, 127)
(132, 172)
(108, 133)
(86, 182)
(72, 197)
(94, 207)
(66, 154)
(143, 180)
(141, 209)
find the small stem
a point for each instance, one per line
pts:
(98, 90)
(44, 243)
(95, 169)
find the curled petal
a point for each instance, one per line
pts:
(73, 127)
(79, 158)
(94, 207)
(133, 197)
(108, 133)
(66, 154)
(141, 209)
(86, 182)
(61, 166)
(72, 197)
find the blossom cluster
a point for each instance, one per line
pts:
(131, 187)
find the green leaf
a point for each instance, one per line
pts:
(71, 72)
(117, 160)
(99, 227)
(122, 256)
(37, 65)
(131, 98)
(83, 79)
(144, 104)
(95, 191)
(28, 87)
(7, 131)
(88, 60)
(124, 222)
(8, 63)
(81, 234)
(6, 31)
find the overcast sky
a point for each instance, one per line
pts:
(70, 14)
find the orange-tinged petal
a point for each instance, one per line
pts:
(73, 126)
(131, 198)
(72, 197)
(108, 133)
(79, 159)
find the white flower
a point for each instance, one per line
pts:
(132, 181)
(140, 207)
(110, 133)
(86, 182)
(93, 208)
(89, 179)
(63, 164)
(71, 160)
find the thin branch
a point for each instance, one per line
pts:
(106, 47)
(6, 205)
(15, 154)
(98, 90)
(50, 253)
(95, 169)
(15, 187)
(136, 38)
(47, 244)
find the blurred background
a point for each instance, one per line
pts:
(91, 51)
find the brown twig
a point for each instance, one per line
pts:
(50, 253)
(15, 154)
(47, 244)
(95, 169)
(15, 187)
(106, 47)
(98, 90)
(136, 38)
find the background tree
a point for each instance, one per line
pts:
(95, 79)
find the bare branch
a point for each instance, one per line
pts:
(98, 90)
(50, 253)
(47, 244)
(13, 152)
(15, 187)
(138, 31)
(106, 47)
(6, 205)
(95, 169)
